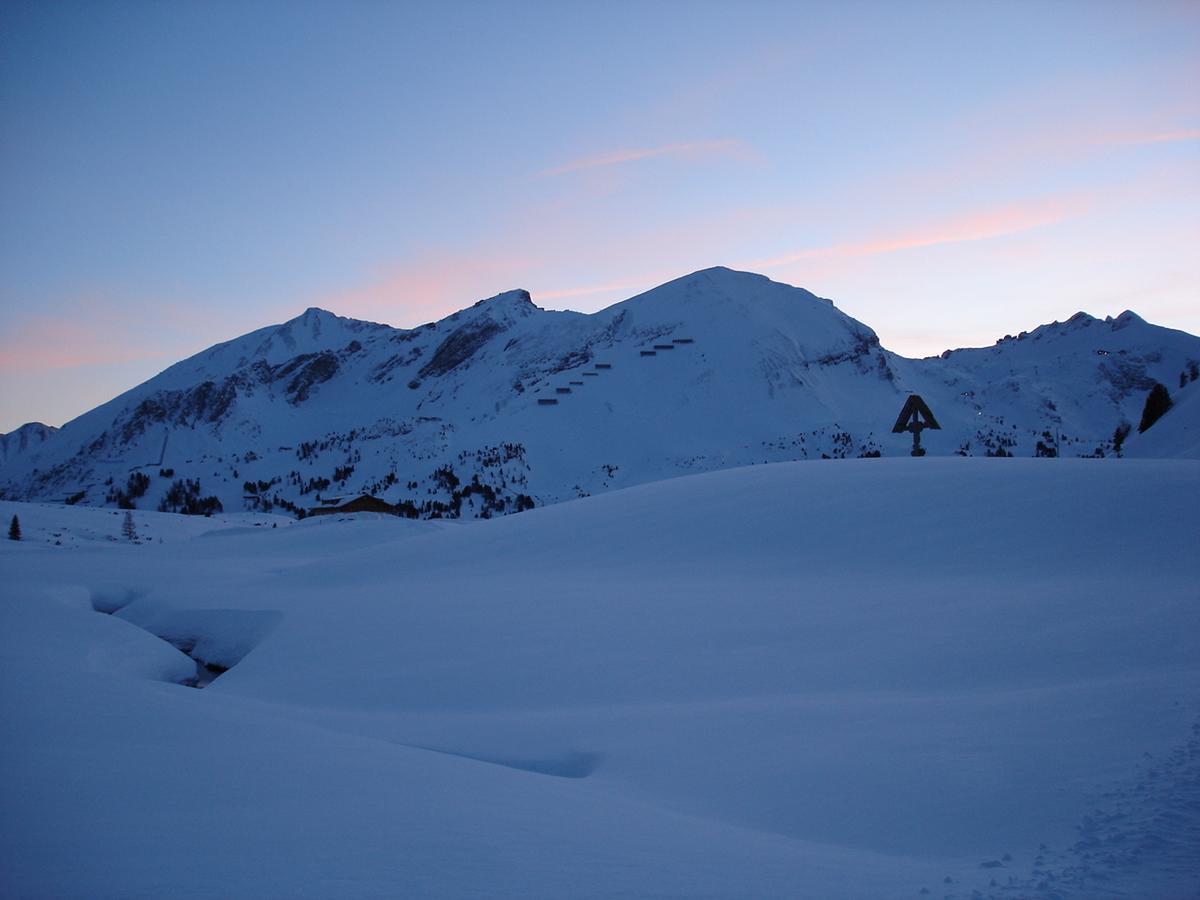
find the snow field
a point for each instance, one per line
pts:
(832, 679)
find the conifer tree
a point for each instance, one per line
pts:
(14, 530)
(1119, 434)
(1158, 401)
(128, 529)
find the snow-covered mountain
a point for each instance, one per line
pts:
(26, 439)
(504, 404)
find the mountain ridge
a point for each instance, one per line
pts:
(713, 369)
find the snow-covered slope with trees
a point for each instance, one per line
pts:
(504, 405)
(866, 678)
(1176, 433)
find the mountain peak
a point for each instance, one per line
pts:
(515, 301)
(719, 292)
(312, 315)
(313, 319)
(24, 439)
(504, 308)
(725, 276)
(1125, 319)
(32, 428)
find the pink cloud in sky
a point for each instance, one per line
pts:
(428, 288)
(96, 329)
(1150, 137)
(538, 250)
(975, 226)
(626, 285)
(1026, 135)
(1072, 140)
(45, 343)
(730, 148)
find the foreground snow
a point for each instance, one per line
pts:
(859, 678)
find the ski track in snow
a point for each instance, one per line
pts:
(1141, 839)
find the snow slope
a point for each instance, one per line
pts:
(858, 678)
(1177, 433)
(503, 402)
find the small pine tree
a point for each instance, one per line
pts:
(1119, 434)
(14, 530)
(128, 529)
(1158, 401)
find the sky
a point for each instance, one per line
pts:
(177, 174)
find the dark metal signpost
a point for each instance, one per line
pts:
(915, 417)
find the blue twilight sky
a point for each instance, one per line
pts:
(173, 174)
